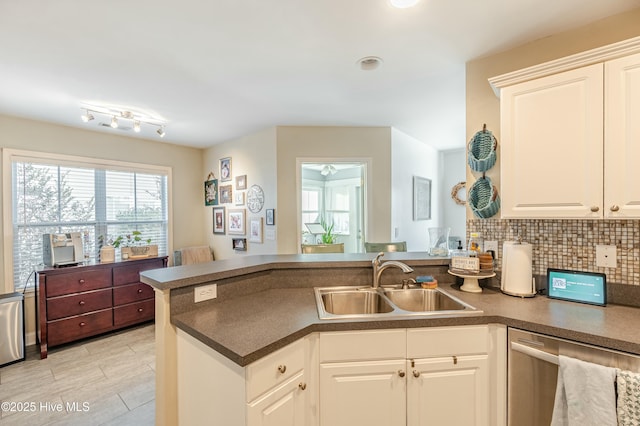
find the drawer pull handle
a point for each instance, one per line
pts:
(595, 208)
(615, 208)
(282, 368)
(139, 309)
(455, 360)
(82, 324)
(302, 386)
(81, 281)
(139, 290)
(401, 373)
(81, 303)
(416, 373)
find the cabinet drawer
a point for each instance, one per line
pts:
(134, 313)
(130, 293)
(67, 330)
(447, 341)
(359, 345)
(77, 304)
(130, 274)
(76, 282)
(274, 369)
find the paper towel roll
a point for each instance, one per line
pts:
(517, 269)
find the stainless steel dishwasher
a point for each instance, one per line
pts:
(12, 347)
(533, 372)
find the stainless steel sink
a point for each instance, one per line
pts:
(423, 300)
(388, 302)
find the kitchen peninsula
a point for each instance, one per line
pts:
(266, 304)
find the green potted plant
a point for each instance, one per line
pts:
(328, 237)
(133, 245)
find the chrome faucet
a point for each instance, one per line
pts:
(379, 266)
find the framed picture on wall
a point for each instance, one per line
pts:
(225, 169)
(236, 221)
(241, 182)
(421, 198)
(218, 220)
(211, 192)
(271, 216)
(239, 198)
(226, 192)
(255, 230)
(239, 244)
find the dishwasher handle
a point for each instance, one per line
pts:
(535, 353)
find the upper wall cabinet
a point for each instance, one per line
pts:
(569, 140)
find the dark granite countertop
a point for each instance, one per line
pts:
(246, 328)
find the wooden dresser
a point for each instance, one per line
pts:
(82, 301)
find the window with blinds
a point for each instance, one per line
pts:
(102, 203)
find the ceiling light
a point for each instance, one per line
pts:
(369, 63)
(403, 4)
(137, 118)
(87, 116)
(328, 170)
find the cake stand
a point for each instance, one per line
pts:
(470, 283)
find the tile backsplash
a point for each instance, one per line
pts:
(569, 244)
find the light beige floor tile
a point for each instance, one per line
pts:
(139, 394)
(142, 416)
(98, 411)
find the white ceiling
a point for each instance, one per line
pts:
(217, 70)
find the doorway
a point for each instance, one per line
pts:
(333, 193)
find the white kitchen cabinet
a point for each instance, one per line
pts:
(276, 390)
(551, 146)
(423, 376)
(448, 391)
(622, 138)
(569, 143)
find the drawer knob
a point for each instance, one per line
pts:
(282, 368)
(416, 373)
(139, 309)
(139, 290)
(401, 373)
(615, 208)
(81, 303)
(302, 386)
(595, 208)
(82, 324)
(81, 281)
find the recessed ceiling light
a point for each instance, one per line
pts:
(403, 4)
(369, 63)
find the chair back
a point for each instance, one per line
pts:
(385, 247)
(323, 248)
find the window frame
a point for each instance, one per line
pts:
(12, 155)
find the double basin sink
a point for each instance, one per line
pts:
(388, 302)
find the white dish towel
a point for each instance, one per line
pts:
(628, 398)
(585, 394)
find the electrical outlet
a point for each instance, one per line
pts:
(491, 245)
(606, 256)
(206, 292)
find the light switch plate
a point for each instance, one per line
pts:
(606, 256)
(205, 292)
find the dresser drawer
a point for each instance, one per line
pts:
(130, 293)
(130, 274)
(77, 304)
(77, 282)
(274, 369)
(67, 330)
(134, 313)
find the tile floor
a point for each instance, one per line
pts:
(101, 381)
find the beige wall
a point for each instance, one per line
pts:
(186, 165)
(483, 106)
(254, 156)
(372, 143)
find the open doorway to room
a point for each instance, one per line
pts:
(332, 195)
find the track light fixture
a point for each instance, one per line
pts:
(113, 118)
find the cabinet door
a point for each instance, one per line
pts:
(442, 391)
(282, 406)
(371, 393)
(622, 138)
(551, 149)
